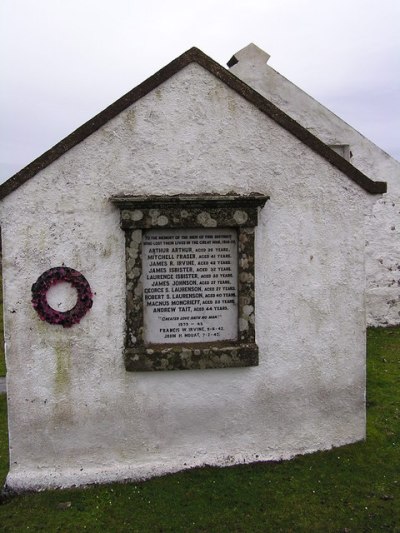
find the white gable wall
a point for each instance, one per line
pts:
(75, 415)
(383, 223)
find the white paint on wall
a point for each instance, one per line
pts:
(62, 296)
(75, 415)
(383, 223)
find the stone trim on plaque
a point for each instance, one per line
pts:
(190, 299)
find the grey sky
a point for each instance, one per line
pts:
(65, 60)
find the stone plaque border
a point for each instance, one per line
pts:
(140, 213)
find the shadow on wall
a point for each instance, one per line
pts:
(2, 359)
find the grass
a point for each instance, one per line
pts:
(354, 488)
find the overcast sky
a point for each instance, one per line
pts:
(63, 61)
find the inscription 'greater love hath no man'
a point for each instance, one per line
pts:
(190, 285)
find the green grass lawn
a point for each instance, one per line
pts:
(354, 488)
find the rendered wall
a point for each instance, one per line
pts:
(75, 414)
(383, 223)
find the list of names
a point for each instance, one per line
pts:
(190, 285)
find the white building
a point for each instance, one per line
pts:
(383, 226)
(191, 147)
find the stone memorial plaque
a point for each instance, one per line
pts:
(190, 285)
(190, 281)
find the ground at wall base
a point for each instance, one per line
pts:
(353, 488)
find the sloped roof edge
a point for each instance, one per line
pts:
(252, 96)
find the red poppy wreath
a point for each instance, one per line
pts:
(58, 275)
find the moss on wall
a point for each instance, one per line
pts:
(62, 352)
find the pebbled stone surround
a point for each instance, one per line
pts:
(140, 213)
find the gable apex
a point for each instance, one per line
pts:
(199, 57)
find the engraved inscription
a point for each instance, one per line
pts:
(190, 285)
